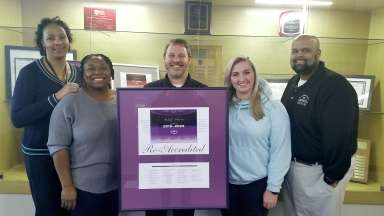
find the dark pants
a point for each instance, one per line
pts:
(105, 204)
(45, 185)
(176, 212)
(246, 200)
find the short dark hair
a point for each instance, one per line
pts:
(104, 57)
(40, 30)
(178, 41)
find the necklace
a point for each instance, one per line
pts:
(57, 75)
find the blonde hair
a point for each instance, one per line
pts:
(255, 99)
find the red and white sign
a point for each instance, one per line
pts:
(291, 23)
(100, 19)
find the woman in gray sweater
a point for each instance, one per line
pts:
(83, 142)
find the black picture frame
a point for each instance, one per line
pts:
(363, 85)
(197, 18)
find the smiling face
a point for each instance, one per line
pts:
(305, 55)
(55, 41)
(243, 79)
(176, 61)
(97, 74)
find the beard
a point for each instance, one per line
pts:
(304, 69)
(176, 73)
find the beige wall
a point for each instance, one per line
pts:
(372, 123)
(270, 53)
(9, 147)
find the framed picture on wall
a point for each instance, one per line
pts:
(197, 18)
(277, 87)
(363, 85)
(16, 57)
(134, 76)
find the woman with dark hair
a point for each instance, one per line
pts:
(39, 87)
(259, 142)
(83, 142)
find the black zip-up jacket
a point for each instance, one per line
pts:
(324, 117)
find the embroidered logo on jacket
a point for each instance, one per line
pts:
(303, 100)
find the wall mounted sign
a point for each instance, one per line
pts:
(173, 148)
(103, 19)
(291, 23)
(198, 18)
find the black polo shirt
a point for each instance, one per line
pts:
(324, 120)
(165, 83)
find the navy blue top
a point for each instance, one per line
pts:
(33, 101)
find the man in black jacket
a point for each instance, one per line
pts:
(177, 57)
(323, 111)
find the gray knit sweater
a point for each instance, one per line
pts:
(88, 129)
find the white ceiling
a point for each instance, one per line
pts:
(350, 5)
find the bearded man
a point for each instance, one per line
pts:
(323, 110)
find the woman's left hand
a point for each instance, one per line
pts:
(269, 200)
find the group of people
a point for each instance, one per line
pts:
(300, 148)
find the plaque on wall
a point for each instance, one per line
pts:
(197, 18)
(360, 171)
(103, 19)
(206, 64)
(291, 24)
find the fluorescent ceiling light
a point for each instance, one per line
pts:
(294, 2)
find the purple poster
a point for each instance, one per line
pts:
(173, 148)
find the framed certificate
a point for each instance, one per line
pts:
(134, 76)
(277, 86)
(363, 85)
(173, 148)
(16, 57)
(198, 18)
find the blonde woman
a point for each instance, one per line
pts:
(259, 142)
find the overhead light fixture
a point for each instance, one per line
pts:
(294, 2)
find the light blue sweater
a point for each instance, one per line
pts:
(259, 148)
